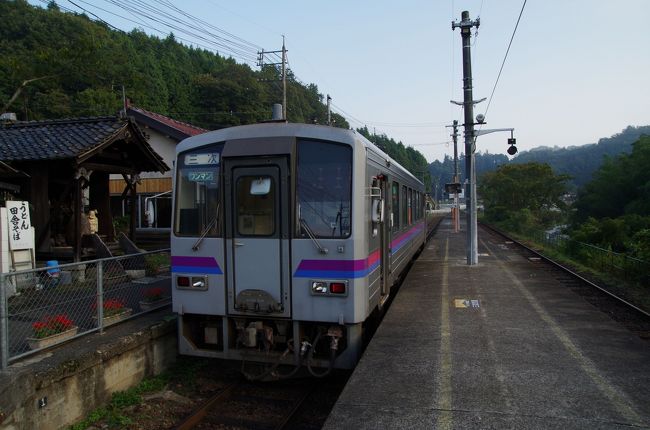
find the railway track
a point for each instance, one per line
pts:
(620, 309)
(262, 406)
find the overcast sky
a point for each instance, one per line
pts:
(577, 69)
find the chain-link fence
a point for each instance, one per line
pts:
(619, 266)
(46, 306)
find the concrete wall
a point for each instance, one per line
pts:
(81, 376)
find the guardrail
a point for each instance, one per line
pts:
(43, 307)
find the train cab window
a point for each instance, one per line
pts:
(255, 206)
(197, 191)
(395, 206)
(324, 189)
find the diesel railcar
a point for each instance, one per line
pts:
(285, 238)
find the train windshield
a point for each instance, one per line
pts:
(197, 192)
(324, 189)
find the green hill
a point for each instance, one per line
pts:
(78, 67)
(579, 162)
(60, 65)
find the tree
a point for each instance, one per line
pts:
(620, 187)
(409, 158)
(529, 193)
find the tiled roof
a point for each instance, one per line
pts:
(47, 140)
(77, 138)
(176, 129)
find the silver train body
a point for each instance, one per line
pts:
(285, 239)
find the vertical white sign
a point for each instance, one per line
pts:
(20, 226)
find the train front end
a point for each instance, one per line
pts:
(263, 256)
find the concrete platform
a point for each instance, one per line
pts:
(497, 345)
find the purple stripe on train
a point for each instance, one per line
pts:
(196, 265)
(351, 268)
(401, 240)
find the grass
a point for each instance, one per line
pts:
(636, 294)
(153, 262)
(112, 413)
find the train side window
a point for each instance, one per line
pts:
(404, 210)
(410, 207)
(394, 216)
(324, 189)
(198, 191)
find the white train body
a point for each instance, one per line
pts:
(287, 235)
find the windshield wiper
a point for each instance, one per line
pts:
(312, 236)
(205, 231)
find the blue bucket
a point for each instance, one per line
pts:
(55, 271)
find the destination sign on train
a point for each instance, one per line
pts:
(197, 159)
(200, 176)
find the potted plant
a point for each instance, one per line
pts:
(51, 330)
(153, 298)
(114, 311)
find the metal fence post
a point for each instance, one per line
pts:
(100, 295)
(4, 323)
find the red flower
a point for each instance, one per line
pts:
(153, 294)
(113, 306)
(52, 325)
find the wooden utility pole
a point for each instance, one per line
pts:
(283, 70)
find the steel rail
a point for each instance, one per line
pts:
(566, 269)
(303, 396)
(197, 416)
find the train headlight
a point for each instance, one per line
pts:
(329, 288)
(319, 287)
(192, 282)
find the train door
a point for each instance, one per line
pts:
(384, 239)
(379, 206)
(257, 245)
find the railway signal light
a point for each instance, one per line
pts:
(512, 149)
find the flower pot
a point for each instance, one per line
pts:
(146, 305)
(44, 342)
(112, 319)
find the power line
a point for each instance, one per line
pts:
(505, 57)
(88, 12)
(156, 15)
(142, 24)
(447, 142)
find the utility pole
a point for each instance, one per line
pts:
(456, 211)
(123, 111)
(283, 71)
(123, 101)
(465, 26)
(329, 110)
(284, 80)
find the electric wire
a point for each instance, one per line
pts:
(218, 43)
(504, 58)
(173, 25)
(90, 13)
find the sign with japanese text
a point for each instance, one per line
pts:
(20, 226)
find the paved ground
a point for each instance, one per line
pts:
(498, 345)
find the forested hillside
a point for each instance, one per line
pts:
(77, 68)
(578, 162)
(59, 65)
